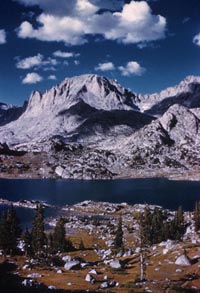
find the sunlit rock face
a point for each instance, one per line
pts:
(91, 127)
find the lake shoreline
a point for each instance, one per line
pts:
(152, 190)
(138, 174)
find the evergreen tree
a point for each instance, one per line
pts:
(156, 226)
(4, 233)
(50, 243)
(9, 231)
(59, 242)
(14, 222)
(166, 231)
(145, 222)
(14, 229)
(180, 217)
(144, 240)
(69, 245)
(27, 237)
(197, 216)
(118, 241)
(38, 235)
(178, 226)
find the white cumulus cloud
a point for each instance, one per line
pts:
(135, 23)
(2, 37)
(65, 54)
(54, 28)
(132, 68)
(50, 62)
(52, 77)
(32, 78)
(30, 62)
(196, 39)
(108, 66)
(36, 62)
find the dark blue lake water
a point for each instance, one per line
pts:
(160, 191)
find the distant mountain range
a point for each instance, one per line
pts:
(91, 127)
(10, 113)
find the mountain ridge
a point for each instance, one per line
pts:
(156, 103)
(49, 114)
(183, 86)
(91, 127)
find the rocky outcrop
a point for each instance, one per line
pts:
(183, 260)
(187, 94)
(89, 127)
(71, 265)
(80, 108)
(171, 141)
(5, 150)
(78, 162)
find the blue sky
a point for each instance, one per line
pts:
(145, 45)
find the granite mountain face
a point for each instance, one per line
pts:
(81, 109)
(185, 94)
(91, 127)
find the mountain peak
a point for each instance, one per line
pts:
(191, 79)
(88, 77)
(74, 104)
(91, 81)
(98, 92)
(185, 93)
(88, 122)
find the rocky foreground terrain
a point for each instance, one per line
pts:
(95, 266)
(90, 127)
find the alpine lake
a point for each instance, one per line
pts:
(58, 193)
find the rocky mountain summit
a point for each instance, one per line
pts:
(77, 109)
(90, 127)
(185, 94)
